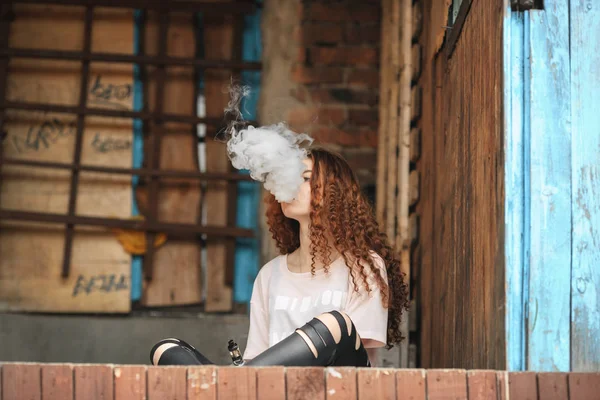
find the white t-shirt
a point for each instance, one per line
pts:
(283, 301)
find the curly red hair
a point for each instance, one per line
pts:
(339, 210)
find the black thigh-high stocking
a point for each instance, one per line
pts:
(327, 340)
(176, 352)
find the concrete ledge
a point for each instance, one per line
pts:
(113, 339)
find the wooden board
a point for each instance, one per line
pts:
(32, 254)
(461, 204)
(219, 42)
(384, 110)
(425, 208)
(549, 225)
(391, 195)
(514, 207)
(176, 270)
(585, 171)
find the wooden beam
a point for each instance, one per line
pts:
(585, 197)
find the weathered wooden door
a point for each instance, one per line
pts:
(552, 206)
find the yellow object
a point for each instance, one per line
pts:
(134, 242)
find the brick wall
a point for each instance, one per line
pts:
(335, 78)
(320, 74)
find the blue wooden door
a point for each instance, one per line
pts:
(552, 131)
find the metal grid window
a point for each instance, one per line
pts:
(153, 124)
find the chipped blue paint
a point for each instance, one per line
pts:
(548, 325)
(552, 204)
(585, 179)
(247, 251)
(138, 151)
(514, 186)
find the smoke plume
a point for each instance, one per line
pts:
(273, 154)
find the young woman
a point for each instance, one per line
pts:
(335, 291)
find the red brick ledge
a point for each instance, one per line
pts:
(116, 382)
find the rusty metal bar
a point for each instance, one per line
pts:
(85, 76)
(171, 229)
(5, 17)
(174, 6)
(155, 142)
(145, 115)
(203, 176)
(126, 58)
(524, 5)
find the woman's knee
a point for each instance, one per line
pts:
(335, 327)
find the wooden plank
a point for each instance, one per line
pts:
(270, 383)
(392, 145)
(584, 386)
(33, 254)
(168, 383)
(417, 20)
(202, 383)
(94, 382)
(466, 243)
(237, 383)
(585, 170)
(57, 382)
(416, 96)
(415, 144)
(176, 268)
(522, 386)
(514, 207)
(403, 182)
(446, 384)
(219, 41)
(411, 384)
(384, 99)
(482, 385)
(552, 386)
(376, 383)
(416, 60)
(549, 188)
(21, 382)
(130, 382)
(340, 383)
(425, 208)
(413, 188)
(305, 383)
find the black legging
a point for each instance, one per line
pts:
(291, 351)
